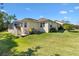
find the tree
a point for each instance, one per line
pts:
(68, 27)
(5, 20)
(76, 26)
(8, 19)
(1, 21)
(11, 18)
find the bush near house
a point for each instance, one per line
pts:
(68, 27)
(52, 30)
(34, 31)
(61, 29)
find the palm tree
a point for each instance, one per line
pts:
(10, 18)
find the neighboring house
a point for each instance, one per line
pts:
(23, 27)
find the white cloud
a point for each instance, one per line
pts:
(63, 12)
(28, 9)
(3, 10)
(71, 10)
(41, 16)
(65, 17)
(76, 7)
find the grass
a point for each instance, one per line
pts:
(6, 43)
(64, 44)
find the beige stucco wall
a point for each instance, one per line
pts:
(34, 25)
(24, 30)
(54, 25)
(14, 31)
(45, 28)
(11, 31)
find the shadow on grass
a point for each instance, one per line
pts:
(74, 31)
(29, 52)
(57, 54)
(37, 33)
(59, 31)
(40, 33)
(6, 45)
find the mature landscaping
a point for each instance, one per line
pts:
(60, 40)
(45, 44)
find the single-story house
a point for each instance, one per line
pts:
(23, 27)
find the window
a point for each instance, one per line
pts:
(50, 25)
(25, 25)
(42, 24)
(15, 24)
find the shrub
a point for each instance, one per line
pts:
(61, 29)
(68, 27)
(57, 54)
(53, 30)
(32, 31)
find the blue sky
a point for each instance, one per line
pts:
(53, 11)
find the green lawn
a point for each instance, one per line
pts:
(64, 44)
